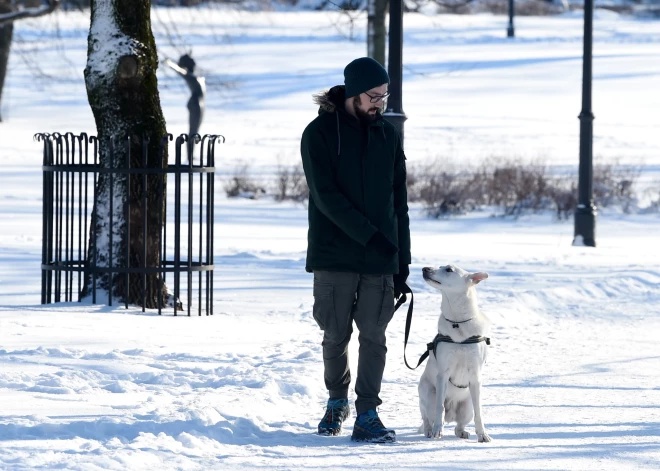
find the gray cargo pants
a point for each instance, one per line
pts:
(339, 299)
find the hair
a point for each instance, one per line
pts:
(187, 62)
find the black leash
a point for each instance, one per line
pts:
(399, 303)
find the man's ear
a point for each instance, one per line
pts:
(475, 278)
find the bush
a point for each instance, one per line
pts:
(242, 185)
(518, 188)
(291, 184)
(456, 7)
(563, 195)
(445, 190)
(613, 185)
(653, 196)
(521, 8)
(344, 5)
(514, 188)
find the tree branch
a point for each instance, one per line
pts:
(51, 6)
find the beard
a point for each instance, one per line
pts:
(364, 116)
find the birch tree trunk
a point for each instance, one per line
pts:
(376, 30)
(122, 91)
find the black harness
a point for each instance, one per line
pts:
(432, 346)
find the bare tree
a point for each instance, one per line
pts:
(123, 93)
(8, 15)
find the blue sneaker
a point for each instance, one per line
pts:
(369, 428)
(336, 412)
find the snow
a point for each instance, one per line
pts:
(108, 42)
(579, 241)
(573, 376)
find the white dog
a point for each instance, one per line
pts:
(450, 387)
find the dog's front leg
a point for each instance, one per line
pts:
(440, 393)
(475, 394)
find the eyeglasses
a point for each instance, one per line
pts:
(377, 98)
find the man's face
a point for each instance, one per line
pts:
(365, 110)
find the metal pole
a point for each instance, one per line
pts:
(394, 113)
(585, 213)
(510, 32)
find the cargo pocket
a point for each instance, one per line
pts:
(324, 305)
(387, 308)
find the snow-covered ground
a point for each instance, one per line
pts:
(573, 376)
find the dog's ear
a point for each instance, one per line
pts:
(475, 278)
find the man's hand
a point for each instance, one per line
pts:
(400, 285)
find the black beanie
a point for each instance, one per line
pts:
(362, 75)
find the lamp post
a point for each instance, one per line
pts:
(585, 213)
(510, 31)
(394, 112)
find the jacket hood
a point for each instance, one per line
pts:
(331, 100)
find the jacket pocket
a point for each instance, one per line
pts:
(387, 308)
(324, 305)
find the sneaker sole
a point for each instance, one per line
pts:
(329, 433)
(387, 438)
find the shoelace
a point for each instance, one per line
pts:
(328, 416)
(330, 412)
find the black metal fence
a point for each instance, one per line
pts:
(71, 170)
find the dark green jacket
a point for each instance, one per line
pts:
(357, 185)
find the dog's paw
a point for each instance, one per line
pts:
(461, 433)
(426, 428)
(437, 431)
(483, 438)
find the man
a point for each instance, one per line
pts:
(358, 239)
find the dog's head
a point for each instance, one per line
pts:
(451, 279)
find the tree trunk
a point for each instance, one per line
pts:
(122, 91)
(6, 33)
(376, 30)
